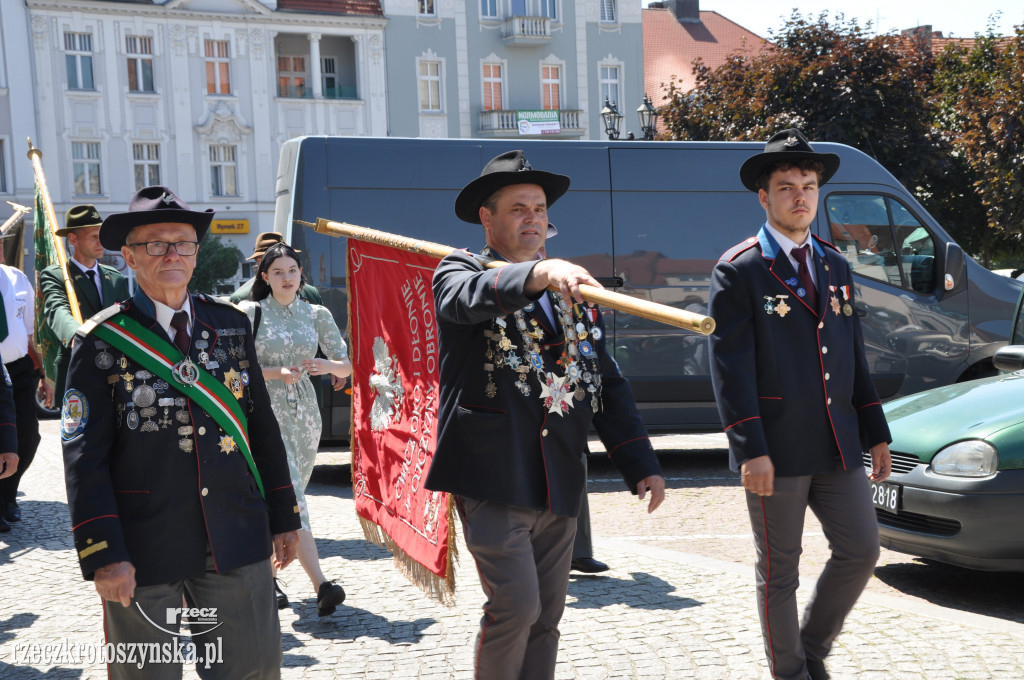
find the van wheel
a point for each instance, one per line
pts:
(47, 413)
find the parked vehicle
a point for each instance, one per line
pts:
(957, 490)
(650, 219)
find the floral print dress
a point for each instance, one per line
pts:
(286, 336)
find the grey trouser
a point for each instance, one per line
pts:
(842, 503)
(241, 641)
(523, 559)
(583, 545)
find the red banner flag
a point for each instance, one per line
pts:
(394, 412)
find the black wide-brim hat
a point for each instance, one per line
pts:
(507, 169)
(152, 205)
(786, 147)
(80, 217)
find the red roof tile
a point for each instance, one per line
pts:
(360, 7)
(670, 47)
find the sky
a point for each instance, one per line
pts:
(955, 18)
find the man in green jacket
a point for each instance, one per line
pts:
(263, 241)
(96, 285)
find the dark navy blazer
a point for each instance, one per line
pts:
(161, 496)
(509, 448)
(791, 381)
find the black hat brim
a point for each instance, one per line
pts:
(755, 165)
(472, 196)
(116, 227)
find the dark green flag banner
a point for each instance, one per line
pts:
(45, 256)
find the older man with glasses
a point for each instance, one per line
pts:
(177, 479)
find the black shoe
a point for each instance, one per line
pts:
(12, 513)
(328, 597)
(588, 565)
(816, 670)
(282, 599)
(4, 526)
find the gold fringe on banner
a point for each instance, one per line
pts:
(435, 587)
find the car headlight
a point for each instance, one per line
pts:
(973, 458)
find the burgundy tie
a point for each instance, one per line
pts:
(179, 322)
(804, 275)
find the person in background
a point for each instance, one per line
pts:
(24, 370)
(798, 405)
(288, 333)
(96, 285)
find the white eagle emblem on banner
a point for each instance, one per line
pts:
(386, 386)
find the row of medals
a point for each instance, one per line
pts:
(579, 361)
(148, 397)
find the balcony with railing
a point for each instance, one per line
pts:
(506, 123)
(526, 30)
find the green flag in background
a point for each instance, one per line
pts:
(45, 256)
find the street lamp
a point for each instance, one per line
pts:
(611, 118)
(648, 118)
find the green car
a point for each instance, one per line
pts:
(956, 493)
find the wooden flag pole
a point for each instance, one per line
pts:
(36, 156)
(612, 300)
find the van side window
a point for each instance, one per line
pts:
(882, 240)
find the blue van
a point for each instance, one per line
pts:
(650, 219)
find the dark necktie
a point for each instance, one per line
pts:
(179, 322)
(804, 275)
(3, 320)
(92, 278)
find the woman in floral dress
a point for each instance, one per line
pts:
(289, 332)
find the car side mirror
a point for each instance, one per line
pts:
(1009, 358)
(954, 279)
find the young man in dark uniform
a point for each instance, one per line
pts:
(177, 479)
(798, 405)
(523, 374)
(96, 285)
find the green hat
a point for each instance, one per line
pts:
(80, 217)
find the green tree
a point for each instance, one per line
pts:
(214, 263)
(838, 83)
(979, 103)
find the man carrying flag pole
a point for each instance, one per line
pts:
(523, 374)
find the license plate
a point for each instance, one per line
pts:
(887, 496)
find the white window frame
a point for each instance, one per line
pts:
(426, 8)
(609, 12)
(546, 82)
(490, 9)
(223, 170)
(605, 84)
(328, 74)
(500, 81)
(86, 157)
(294, 77)
(433, 82)
(217, 59)
(78, 50)
(145, 160)
(138, 50)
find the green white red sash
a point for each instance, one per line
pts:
(159, 355)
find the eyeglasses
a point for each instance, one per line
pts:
(159, 248)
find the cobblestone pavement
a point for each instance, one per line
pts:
(678, 602)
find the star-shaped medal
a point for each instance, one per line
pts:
(556, 395)
(227, 444)
(835, 305)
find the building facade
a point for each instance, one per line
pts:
(198, 95)
(17, 109)
(511, 68)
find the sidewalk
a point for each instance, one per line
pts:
(657, 614)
